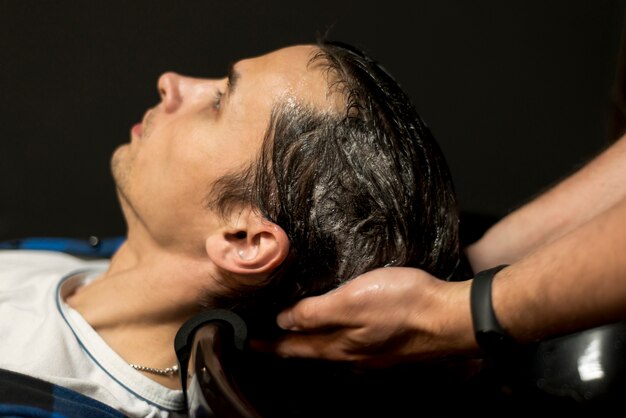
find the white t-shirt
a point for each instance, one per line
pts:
(43, 337)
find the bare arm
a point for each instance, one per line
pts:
(573, 283)
(592, 189)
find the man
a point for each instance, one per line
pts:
(302, 169)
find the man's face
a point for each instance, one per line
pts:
(201, 130)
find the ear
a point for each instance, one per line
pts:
(248, 244)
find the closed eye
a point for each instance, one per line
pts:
(231, 82)
(217, 100)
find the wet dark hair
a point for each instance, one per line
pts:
(357, 189)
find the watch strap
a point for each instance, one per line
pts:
(489, 334)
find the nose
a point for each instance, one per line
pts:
(169, 86)
(176, 89)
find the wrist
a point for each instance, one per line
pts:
(458, 326)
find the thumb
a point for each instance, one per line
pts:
(286, 321)
(314, 313)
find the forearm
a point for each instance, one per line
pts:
(572, 202)
(573, 283)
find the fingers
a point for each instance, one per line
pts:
(354, 303)
(304, 315)
(374, 320)
(331, 347)
(318, 346)
(316, 313)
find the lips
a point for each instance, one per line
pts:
(137, 129)
(140, 128)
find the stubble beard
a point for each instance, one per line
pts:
(120, 170)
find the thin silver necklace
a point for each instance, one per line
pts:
(168, 371)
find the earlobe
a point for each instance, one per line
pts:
(248, 245)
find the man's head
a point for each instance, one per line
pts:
(202, 130)
(312, 168)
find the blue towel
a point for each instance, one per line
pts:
(90, 247)
(25, 396)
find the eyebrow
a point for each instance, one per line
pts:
(233, 78)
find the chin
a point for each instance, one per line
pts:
(120, 166)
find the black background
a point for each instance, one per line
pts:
(518, 93)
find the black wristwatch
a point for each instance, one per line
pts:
(489, 334)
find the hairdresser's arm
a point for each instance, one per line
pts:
(589, 191)
(394, 315)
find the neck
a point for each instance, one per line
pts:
(141, 301)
